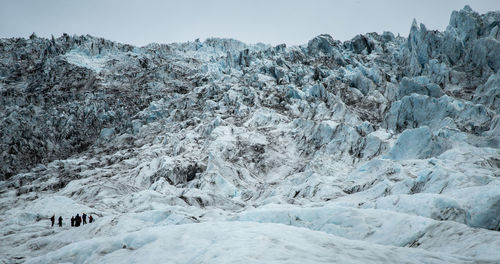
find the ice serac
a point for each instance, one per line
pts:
(418, 143)
(379, 149)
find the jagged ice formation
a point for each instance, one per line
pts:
(378, 149)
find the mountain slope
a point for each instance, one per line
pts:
(387, 141)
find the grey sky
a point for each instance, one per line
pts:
(291, 22)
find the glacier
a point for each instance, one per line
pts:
(378, 149)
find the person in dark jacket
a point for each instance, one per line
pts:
(72, 221)
(91, 219)
(60, 221)
(84, 217)
(53, 219)
(78, 220)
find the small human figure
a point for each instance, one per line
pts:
(53, 219)
(84, 217)
(72, 221)
(91, 219)
(78, 220)
(60, 221)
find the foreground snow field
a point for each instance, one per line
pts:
(234, 242)
(381, 149)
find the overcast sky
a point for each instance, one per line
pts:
(274, 22)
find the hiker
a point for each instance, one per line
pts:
(78, 219)
(72, 221)
(60, 221)
(84, 217)
(90, 219)
(52, 219)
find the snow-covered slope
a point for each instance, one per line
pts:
(381, 149)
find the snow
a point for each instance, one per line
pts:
(356, 224)
(80, 58)
(483, 205)
(415, 143)
(381, 149)
(428, 205)
(235, 242)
